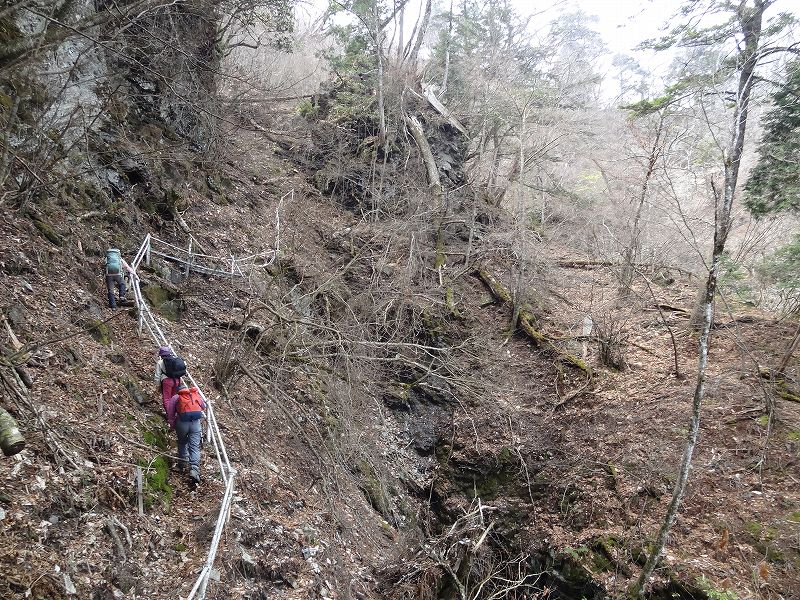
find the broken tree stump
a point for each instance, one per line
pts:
(11, 440)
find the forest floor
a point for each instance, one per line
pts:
(602, 454)
(615, 447)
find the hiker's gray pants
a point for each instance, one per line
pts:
(189, 435)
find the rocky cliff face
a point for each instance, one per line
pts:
(112, 93)
(69, 75)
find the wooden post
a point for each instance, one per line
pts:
(188, 259)
(587, 331)
(137, 296)
(139, 499)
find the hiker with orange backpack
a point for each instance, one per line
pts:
(169, 369)
(184, 412)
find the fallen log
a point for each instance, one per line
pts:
(526, 320)
(590, 264)
(671, 308)
(781, 388)
(498, 289)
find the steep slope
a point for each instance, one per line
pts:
(392, 438)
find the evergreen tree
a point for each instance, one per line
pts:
(782, 270)
(774, 184)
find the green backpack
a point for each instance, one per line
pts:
(113, 262)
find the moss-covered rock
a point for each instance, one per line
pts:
(156, 434)
(372, 487)
(10, 36)
(156, 487)
(492, 479)
(763, 539)
(99, 330)
(166, 302)
(47, 230)
(134, 390)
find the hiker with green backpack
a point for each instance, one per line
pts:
(114, 266)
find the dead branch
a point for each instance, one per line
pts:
(112, 531)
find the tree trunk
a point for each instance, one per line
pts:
(423, 29)
(789, 351)
(400, 42)
(521, 218)
(447, 50)
(750, 21)
(631, 253)
(379, 53)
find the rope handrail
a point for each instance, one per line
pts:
(203, 263)
(233, 268)
(227, 472)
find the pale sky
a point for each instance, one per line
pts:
(622, 24)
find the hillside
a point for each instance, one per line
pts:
(339, 483)
(456, 365)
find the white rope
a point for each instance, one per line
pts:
(212, 551)
(238, 266)
(227, 472)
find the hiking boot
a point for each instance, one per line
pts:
(194, 477)
(181, 467)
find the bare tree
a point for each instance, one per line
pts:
(750, 22)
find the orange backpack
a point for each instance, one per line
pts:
(190, 404)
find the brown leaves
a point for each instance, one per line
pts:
(722, 545)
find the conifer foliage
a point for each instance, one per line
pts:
(774, 184)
